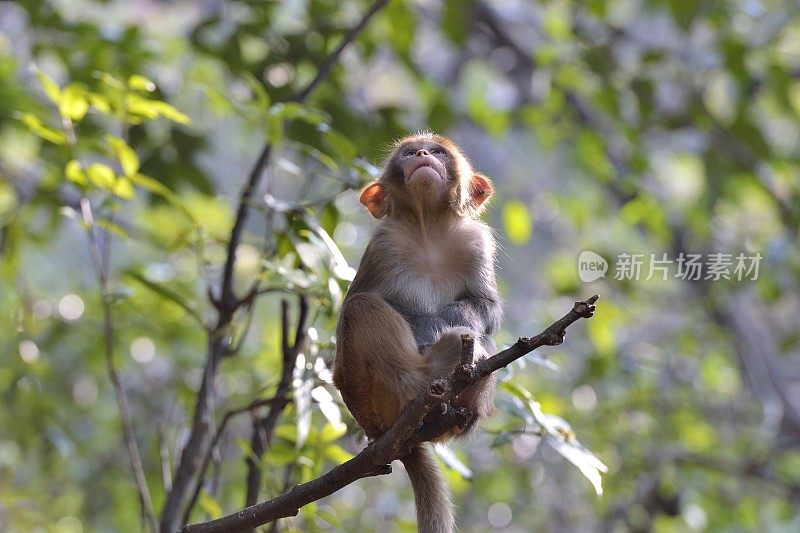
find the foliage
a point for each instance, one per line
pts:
(637, 127)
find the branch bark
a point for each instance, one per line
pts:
(227, 303)
(404, 435)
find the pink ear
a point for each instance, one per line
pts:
(374, 198)
(480, 189)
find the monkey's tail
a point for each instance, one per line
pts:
(431, 494)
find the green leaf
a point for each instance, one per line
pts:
(166, 293)
(111, 81)
(116, 229)
(8, 202)
(138, 105)
(275, 127)
(323, 158)
(451, 460)
(74, 103)
(209, 505)
(329, 217)
(281, 453)
(296, 111)
(556, 25)
(287, 432)
(330, 517)
(156, 187)
(592, 155)
(258, 89)
(338, 265)
(516, 390)
(331, 433)
(152, 109)
(336, 454)
(517, 222)
(401, 26)
(102, 176)
(345, 148)
(123, 188)
(171, 113)
(74, 172)
(50, 87)
(128, 159)
(138, 82)
(574, 452)
(45, 132)
(454, 21)
(501, 439)
(99, 102)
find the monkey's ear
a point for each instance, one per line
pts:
(479, 190)
(374, 198)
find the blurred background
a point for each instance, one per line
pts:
(656, 133)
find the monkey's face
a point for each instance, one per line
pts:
(424, 171)
(427, 174)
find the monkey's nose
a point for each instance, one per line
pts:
(423, 152)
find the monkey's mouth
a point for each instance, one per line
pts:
(423, 171)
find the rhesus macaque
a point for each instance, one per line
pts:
(426, 277)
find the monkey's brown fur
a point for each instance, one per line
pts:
(426, 278)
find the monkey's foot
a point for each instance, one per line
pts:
(438, 388)
(463, 417)
(441, 425)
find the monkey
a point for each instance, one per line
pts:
(427, 277)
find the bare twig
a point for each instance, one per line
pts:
(252, 406)
(129, 435)
(193, 455)
(263, 427)
(166, 470)
(401, 438)
(325, 69)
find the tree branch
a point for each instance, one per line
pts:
(407, 432)
(252, 406)
(263, 427)
(200, 436)
(128, 433)
(333, 58)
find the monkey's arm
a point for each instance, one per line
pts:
(426, 327)
(479, 307)
(481, 313)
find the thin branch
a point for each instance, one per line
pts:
(193, 455)
(333, 58)
(252, 406)
(263, 427)
(129, 435)
(166, 471)
(406, 433)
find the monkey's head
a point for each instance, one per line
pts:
(427, 174)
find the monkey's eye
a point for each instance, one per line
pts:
(438, 151)
(409, 152)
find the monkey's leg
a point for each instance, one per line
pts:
(379, 369)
